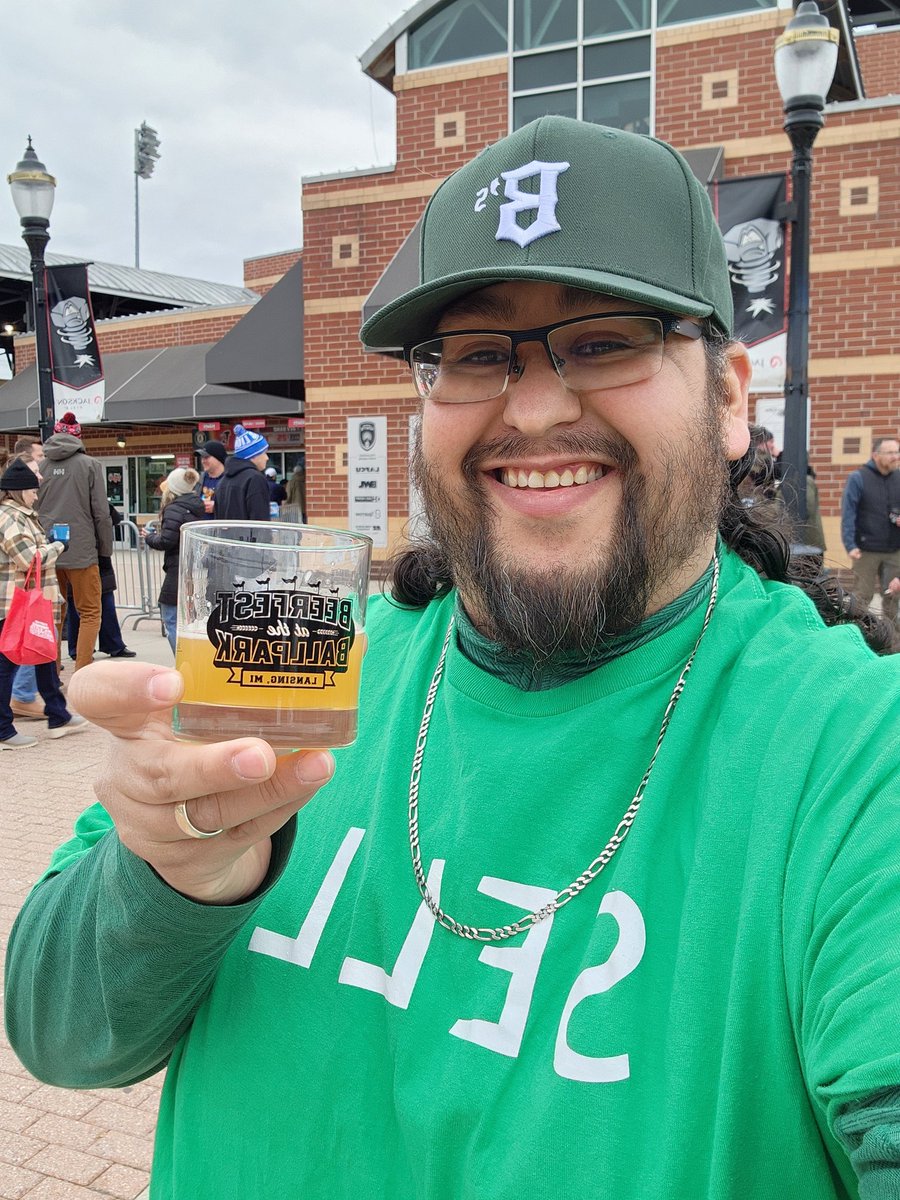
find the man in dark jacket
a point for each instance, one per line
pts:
(73, 492)
(213, 457)
(243, 492)
(870, 522)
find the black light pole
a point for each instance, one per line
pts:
(805, 61)
(32, 192)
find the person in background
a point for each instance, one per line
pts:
(110, 640)
(29, 448)
(24, 700)
(213, 457)
(296, 489)
(243, 491)
(73, 492)
(180, 504)
(21, 539)
(870, 522)
(277, 491)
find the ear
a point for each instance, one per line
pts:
(736, 389)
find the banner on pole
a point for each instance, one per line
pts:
(749, 214)
(77, 371)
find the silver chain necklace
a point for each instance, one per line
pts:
(474, 932)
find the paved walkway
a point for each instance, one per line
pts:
(54, 1144)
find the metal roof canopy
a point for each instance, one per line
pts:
(265, 347)
(173, 291)
(149, 386)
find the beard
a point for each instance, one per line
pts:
(661, 522)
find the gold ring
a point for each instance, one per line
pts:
(184, 823)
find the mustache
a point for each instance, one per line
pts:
(608, 446)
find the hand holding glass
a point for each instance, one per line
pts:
(271, 633)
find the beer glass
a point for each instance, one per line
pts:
(271, 632)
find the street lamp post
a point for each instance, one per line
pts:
(32, 190)
(805, 61)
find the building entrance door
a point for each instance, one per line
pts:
(115, 474)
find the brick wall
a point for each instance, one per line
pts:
(261, 274)
(715, 86)
(879, 62)
(149, 332)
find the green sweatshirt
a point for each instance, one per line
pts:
(690, 1027)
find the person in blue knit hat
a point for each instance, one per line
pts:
(243, 493)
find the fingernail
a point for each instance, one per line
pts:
(166, 688)
(251, 764)
(315, 767)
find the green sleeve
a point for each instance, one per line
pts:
(842, 914)
(107, 965)
(870, 1132)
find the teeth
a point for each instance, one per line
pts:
(551, 479)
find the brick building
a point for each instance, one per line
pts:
(175, 377)
(698, 73)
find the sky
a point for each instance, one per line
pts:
(246, 99)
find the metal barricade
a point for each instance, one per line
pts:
(139, 575)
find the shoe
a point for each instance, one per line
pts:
(19, 741)
(75, 724)
(32, 710)
(124, 653)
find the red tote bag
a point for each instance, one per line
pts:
(28, 636)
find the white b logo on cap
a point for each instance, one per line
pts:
(544, 201)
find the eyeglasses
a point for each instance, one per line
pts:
(608, 350)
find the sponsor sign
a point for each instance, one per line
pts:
(367, 477)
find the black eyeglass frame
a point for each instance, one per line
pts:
(687, 327)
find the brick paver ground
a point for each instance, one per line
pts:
(55, 1144)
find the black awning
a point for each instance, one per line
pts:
(264, 350)
(707, 162)
(399, 276)
(167, 384)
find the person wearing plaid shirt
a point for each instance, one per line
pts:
(21, 539)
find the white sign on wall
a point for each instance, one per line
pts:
(367, 477)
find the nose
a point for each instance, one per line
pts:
(536, 399)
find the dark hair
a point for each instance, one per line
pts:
(759, 534)
(879, 442)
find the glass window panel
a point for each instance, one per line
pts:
(529, 108)
(602, 17)
(545, 70)
(617, 58)
(672, 11)
(461, 30)
(623, 105)
(545, 23)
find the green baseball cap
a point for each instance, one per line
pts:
(567, 202)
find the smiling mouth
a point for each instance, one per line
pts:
(568, 477)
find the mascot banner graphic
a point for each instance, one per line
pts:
(750, 216)
(78, 383)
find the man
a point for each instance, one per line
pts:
(416, 999)
(870, 522)
(277, 491)
(243, 491)
(213, 457)
(73, 492)
(30, 449)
